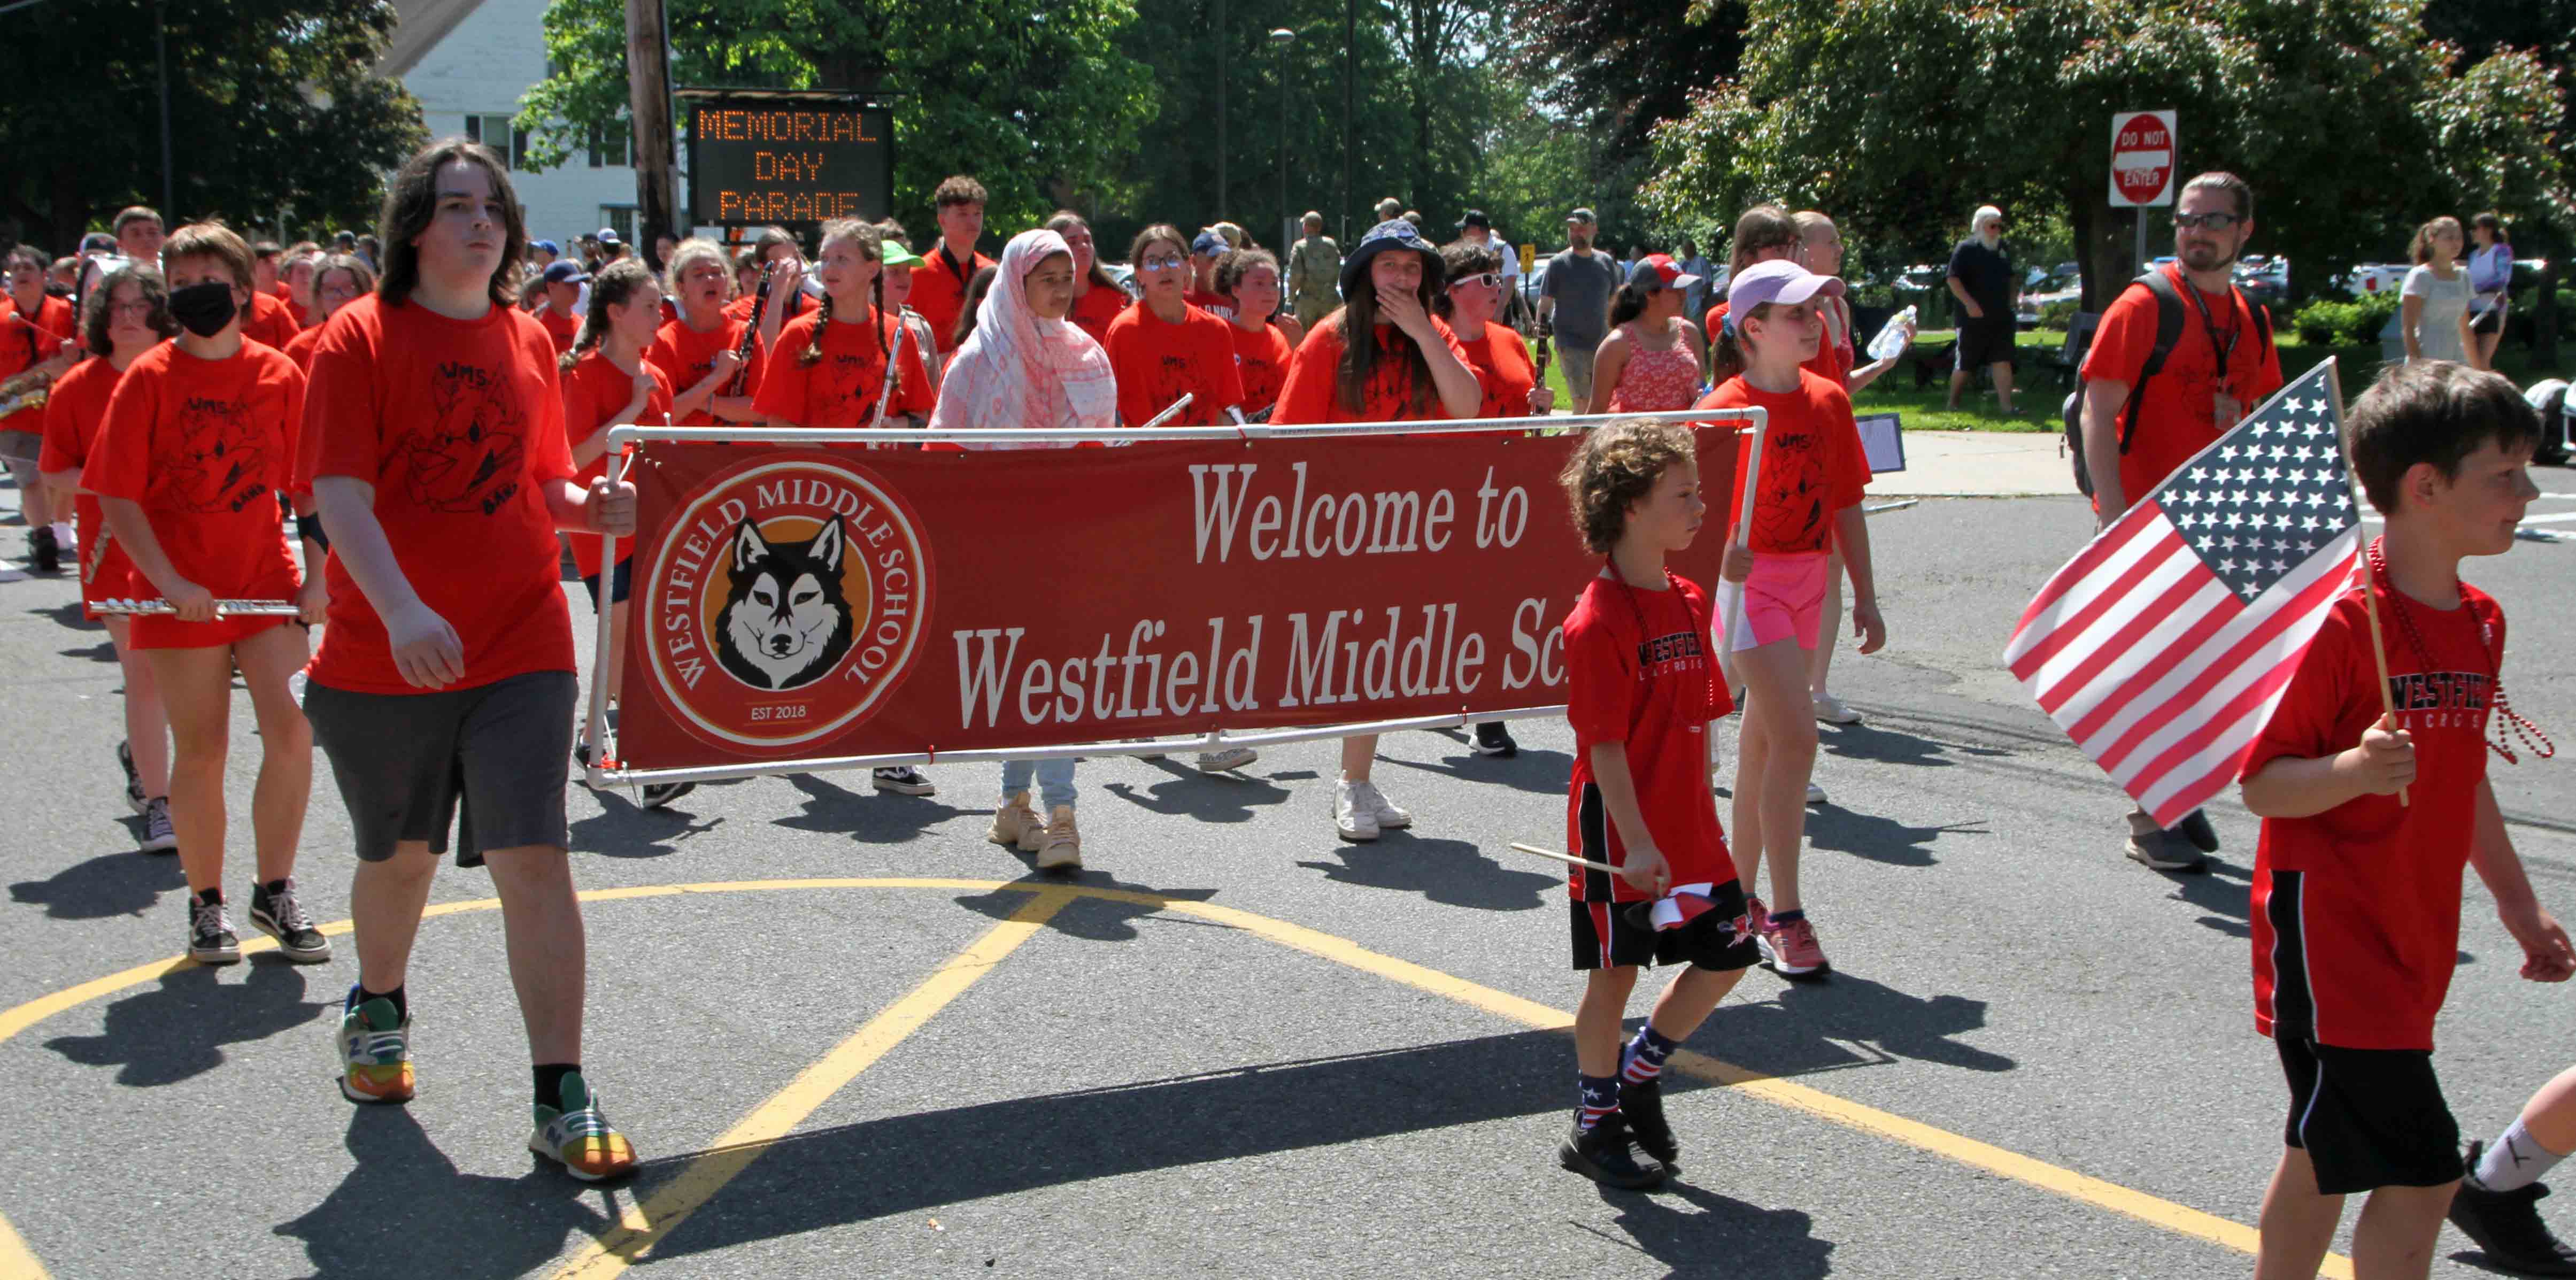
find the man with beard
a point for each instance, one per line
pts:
(1575, 298)
(1981, 279)
(2180, 358)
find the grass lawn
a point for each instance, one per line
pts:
(2037, 391)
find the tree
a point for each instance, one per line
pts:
(1037, 102)
(1900, 116)
(275, 109)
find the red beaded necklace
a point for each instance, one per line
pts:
(2533, 739)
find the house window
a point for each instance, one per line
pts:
(494, 131)
(612, 144)
(621, 218)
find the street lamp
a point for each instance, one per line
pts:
(1280, 39)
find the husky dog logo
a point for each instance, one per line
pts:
(469, 459)
(220, 465)
(786, 598)
(785, 621)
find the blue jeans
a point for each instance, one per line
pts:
(1054, 781)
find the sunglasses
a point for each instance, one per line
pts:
(2213, 221)
(1163, 263)
(1490, 280)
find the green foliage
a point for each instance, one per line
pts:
(2353, 323)
(274, 106)
(2057, 315)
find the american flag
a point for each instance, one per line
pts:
(2163, 648)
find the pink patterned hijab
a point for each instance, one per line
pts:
(1017, 370)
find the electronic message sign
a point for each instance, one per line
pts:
(760, 160)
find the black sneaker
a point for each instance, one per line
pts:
(1643, 1106)
(1494, 738)
(1605, 1155)
(2507, 1226)
(280, 916)
(211, 939)
(133, 780)
(903, 779)
(44, 555)
(658, 794)
(581, 752)
(2195, 828)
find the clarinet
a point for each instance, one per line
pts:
(1545, 332)
(750, 333)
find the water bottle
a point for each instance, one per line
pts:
(1891, 341)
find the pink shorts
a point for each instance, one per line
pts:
(1784, 598)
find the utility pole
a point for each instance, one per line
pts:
(1350, 104)
(648, 79)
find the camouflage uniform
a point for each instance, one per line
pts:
(1314, 268)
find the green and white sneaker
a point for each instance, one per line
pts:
(375, 1051)
(578, 1135)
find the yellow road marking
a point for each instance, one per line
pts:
(707, 1174)
(640, 1226)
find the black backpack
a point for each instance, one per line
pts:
(2169, 318)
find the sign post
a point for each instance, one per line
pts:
(2143, 148)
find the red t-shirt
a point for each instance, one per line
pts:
(2377, 907)
(74, 412)
(1313, 390)
(1261, 356)
(687, 356)
(1833, 359)
(939, 289)
(27, 342)
(1093, 310)
(1812, 463)
(1503, 368)
(1216, 304)
(797, 304)
(2178, 416)
(840, 390)
(459, 426)
(300, 347)
(562, 328)
(1156, 362)
(593, 391)
(205, 446)
(1641, 674)
(270, 321)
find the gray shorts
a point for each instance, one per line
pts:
(407, 761)
(1576, 361)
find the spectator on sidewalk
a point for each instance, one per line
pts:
(1574, 299)
(2491, 275)
(2433, 306)
(1981, 279)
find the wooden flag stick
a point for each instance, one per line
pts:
(1566, 858)
(2369, 580)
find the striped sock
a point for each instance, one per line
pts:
(1600, 1097)
(1644, 1059)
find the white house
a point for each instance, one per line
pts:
(469, 62)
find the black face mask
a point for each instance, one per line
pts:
(203, 308)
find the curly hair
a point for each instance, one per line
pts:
(1617, 467)
(151, 290)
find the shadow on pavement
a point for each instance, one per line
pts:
(1847, 1021)
(1452, 873)
(1090, 919)
(1067, 1138)
(1201, 797)
(178, 1027)
(1724, 1237)
(1533, 769)
(2225, 891)
(1878, 839)
(876, 817)
(625, 829)
(125, 883)
(405, 1210)
(1887, 746)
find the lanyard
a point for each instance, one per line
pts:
(2225, 352)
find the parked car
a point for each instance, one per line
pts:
(2266, 280)
(2371, 277)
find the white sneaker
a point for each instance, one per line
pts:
(1227, 760)
(1354, 817)
(1060, 847)
(1388, 816)
(1815, 794)
(1831, 710)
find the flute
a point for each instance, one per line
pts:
(272, 608)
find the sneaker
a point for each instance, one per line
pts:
(1791, 949)
(658, 794)
(1353, 817)
(375, 1052)
(44, 554)
(1389, 818)
(581, 752)
(1605, 1155)
(1494, 738)
(1815, 794)
(158, 835)
(1643, 1107)
(281, 916)
(578, 1135)
(1757, 918)
(1061, 847)
(1226, 761)
(1016, 825)
(133, 780)
(2166, 851)
(2195, 827)
(211, 939)
(1831, 710)
(2506, 1225)
(905, 780)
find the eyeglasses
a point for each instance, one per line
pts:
(1165, 262)
(2213, 221)
(1490, 280)
(138, 309)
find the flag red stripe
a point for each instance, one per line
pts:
(2071, 630)
(2194, 580)
(2207, 787)
(2279, 619)
(2085, 562)
(2173, 654)
(2252, 696)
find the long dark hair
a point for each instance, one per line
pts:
(615, 284)
(1360, 346)
(2492, 225)
(1628, 303)
(1764, 226)
(1066, 220)
(411, 201)
(872, 246)
(970, 302)
(155, 291)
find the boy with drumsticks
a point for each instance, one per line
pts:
(1644, 687)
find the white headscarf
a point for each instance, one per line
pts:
(1017, 370)
(1982, 224)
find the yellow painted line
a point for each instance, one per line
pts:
(17, 1261)
(640, 1226)
(707, 1174)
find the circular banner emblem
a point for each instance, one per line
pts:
(786, 601)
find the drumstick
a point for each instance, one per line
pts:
(1566, 858)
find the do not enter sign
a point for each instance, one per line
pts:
(2142, 159)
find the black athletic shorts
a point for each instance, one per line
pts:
(2490, 320)
(2369, 1118)
(408, 763)
(620, 581)
(1984, 342)
(1609, 935)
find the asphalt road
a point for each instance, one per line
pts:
(1298, 1057)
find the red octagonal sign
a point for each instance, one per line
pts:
(2142, 158)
